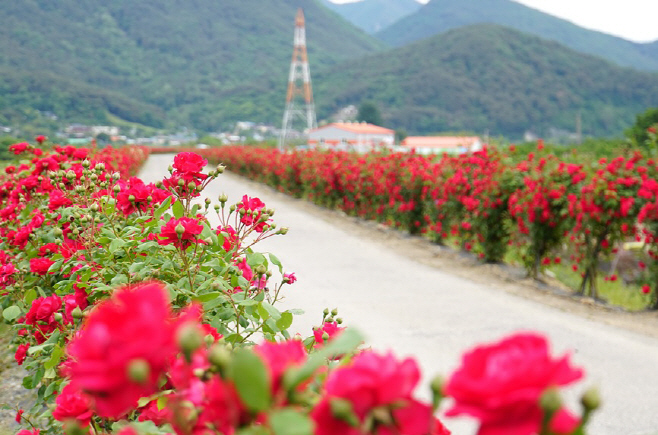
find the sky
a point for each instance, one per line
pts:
(635, 20)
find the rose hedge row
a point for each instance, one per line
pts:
(140, 308)
(487, 200)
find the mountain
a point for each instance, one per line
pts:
(438, 16)
(374, 15)
(170, 56)
(491, 78)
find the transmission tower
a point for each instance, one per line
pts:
(299, 85)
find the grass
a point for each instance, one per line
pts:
(617, 293)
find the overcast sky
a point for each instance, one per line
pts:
(635, 20)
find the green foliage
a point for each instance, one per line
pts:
(490, 78)
(637, 133)
(440, 16)
(142, 61)
(369, 112)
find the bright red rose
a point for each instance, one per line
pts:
(563, 422)
(21, 353)
(123, 348)
(71, 404)
(19, 148)
(57, 200)
(181, 232)
(42, 315)
(279, 357)
(41, 265)
(28, 432)
(500, 384)
(189, 163)
(252, 211)
(331, 328)
(40, 139)
(375, 383)
(231, 239)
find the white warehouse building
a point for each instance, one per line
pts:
(351, 136)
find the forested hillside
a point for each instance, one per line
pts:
(441, 15)
(491, 78)
(169, 54)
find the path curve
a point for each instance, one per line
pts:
(434, 315)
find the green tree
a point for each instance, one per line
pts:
(638, 132)
(369, 112)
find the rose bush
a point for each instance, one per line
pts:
(550, 210)
(140, 309)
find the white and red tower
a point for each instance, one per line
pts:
(299, 86)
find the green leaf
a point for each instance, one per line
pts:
(209, 297)
(285, 321)
(275, 261)
(56, 265)
(254, 430)
(273, 312)
(55, 357)
(178, 209)
(290, 422)
(30, 296)
(255, 259)
(116, 244)
(119, 279)
(11, 313)
(162, 208)
(251, 380)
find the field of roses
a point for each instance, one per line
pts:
(538, 208)
(145, 309)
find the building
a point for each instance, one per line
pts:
(441, 144)
(351, 136)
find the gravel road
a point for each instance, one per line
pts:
(435, 313)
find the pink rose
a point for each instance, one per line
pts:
(500, 384)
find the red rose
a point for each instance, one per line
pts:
(19, 148)
(375, 383)
(40, 139)
(279, 357)
(123, 348)
(181, 232)
(331, 328)
(41, 265)
(189, 163)
(252, 210)
(73, 405)
(500, 384)
(21, 353)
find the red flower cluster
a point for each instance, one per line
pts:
(182, 232)
(187, 178)
(376, 389)
(501, 384)
(123, 349)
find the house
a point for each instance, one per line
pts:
(441, 144)
(351, 136)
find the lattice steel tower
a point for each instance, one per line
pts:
(299, 85)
